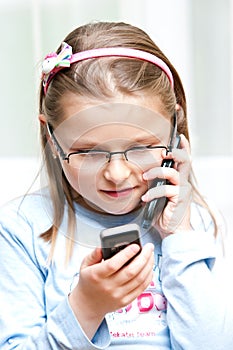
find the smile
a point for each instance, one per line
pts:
(122, 193)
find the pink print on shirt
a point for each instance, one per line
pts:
(145, 316)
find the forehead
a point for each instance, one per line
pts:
(117, 119)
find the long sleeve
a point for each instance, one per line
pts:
(199, 304)
(25, 322)
(187, 306)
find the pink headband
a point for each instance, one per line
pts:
(55, 62)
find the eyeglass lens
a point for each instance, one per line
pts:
(140, 156)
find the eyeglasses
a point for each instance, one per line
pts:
(142, 156)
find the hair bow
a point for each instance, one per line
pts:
(53, 62)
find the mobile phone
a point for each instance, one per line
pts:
(117, 238)
(154, 208)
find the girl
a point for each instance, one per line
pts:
(110, 105)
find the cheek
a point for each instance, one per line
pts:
(87, 185)
(82, 183)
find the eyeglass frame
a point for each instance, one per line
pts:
(65, 156)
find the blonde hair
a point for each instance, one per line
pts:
(100, 79)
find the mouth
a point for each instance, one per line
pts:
(119, 193)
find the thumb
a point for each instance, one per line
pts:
(93, 258)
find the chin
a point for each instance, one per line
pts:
(120, 210)
(113, 207)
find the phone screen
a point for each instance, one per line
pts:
(117, 238)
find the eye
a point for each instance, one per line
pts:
(78, 150)
(140, 146)
(81, 150)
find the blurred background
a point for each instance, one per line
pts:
(197, 37)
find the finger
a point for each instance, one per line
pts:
(137, 285)
(138, 274)
(179, 156)
(168, 191)
(140, 267)
(169, 174)
(93, 258)
(182, 157)
(182, 163)
(114, 264)
(177, 210)
(139, 263)
(178, 219)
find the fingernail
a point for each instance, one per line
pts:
(152, 247)
(135, 248)
(144, 198)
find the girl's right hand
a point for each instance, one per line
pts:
(176, 215)
(106, 286)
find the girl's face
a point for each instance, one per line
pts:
(112, 185)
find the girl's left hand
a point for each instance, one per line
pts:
(176, 214)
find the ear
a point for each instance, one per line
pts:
(43, 122)
(42, 119)
(177, 107)
(180, 113)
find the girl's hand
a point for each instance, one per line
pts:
(106, 286)
(176, 214)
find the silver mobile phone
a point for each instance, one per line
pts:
(117, 238)
(154, 208)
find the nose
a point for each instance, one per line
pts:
(117, 170)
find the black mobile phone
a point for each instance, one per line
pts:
(154, 208)
(117, 238)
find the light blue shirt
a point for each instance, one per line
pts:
(181, 308)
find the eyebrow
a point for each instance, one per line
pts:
(147, 138)
(89, 144)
